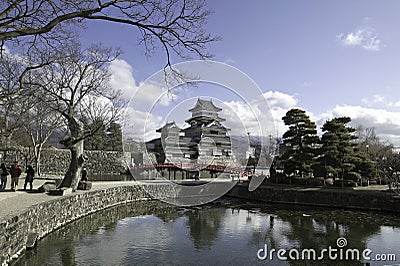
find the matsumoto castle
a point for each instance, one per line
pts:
(204, 140)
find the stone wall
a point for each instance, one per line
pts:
(324, 197)
(56, 161)
(46, 217)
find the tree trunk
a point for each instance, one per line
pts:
(73, 174)
(8, 138)
(37, 161)
(37, 152)
(75, 145)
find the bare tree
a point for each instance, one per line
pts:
(39, 122)
(11, 68)
(15, 97)
(175, 25)
(16, 103)
(369, 142)
(76, 86)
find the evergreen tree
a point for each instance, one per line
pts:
(338, 154)
(114, 137)
(364, 165)
(96, 141)
(299, 141)
(106, 138)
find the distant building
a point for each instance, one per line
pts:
(206, 137)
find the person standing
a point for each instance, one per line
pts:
(30, 174)
(84, 174)
(4, 174)
(15, 172)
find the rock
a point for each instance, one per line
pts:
(84, 185)
(60, 192)
(46, 187)
(31, 241)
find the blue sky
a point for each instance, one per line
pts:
(330, 58)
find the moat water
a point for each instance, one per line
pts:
(226, 232)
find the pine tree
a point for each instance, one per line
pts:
(300, 142)
(364, 165)
(114, 137)
(339, 157)
(106, 138)
(98, 140)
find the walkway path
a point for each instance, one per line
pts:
(13, 203)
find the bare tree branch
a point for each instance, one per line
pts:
(176, 25)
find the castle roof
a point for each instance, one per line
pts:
(205, 105)
(167, 126)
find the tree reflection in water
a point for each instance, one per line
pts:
(315, 228)
(62, 247)
(204, 226)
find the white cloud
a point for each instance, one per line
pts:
(386, 123)
(230, 61)
(280, 103)
(154, 93)
(138, 124)
(376, 99)
(306, 84)
(379, 101)
(366, 38)
(367, 20)
(278, 99)
(396, 104)
(241, 118)
(122, 78)
(141, 125)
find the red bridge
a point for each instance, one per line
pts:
(189, 166)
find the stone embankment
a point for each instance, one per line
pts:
(52, 212)
(371, 200)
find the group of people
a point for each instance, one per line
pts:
(15, 172)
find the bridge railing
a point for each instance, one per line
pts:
(188, 166)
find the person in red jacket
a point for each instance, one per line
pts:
(15, 172)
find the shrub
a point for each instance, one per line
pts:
(347, 183)
(350, 183)
(299, 181)
(279, 178)
(353, 176)
(315, 182)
